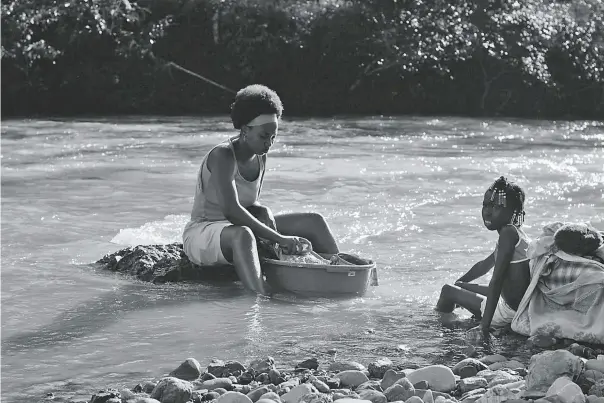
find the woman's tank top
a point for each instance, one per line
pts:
(206, 206)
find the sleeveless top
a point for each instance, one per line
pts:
(206, 206)
(519, 249)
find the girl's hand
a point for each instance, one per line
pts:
(295, 245)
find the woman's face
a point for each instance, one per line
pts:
(261, 138)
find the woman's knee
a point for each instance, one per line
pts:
(446, 290)
(243, 234)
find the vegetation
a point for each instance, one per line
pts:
(530, 58)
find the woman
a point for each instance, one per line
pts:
(227, 217)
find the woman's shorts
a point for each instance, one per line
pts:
(201, 242)
(503, 315)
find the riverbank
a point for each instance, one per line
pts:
(574, 374)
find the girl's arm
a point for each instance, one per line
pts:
(508, 237)
(223, 165)
(479, 269)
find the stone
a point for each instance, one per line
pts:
(440, 399)
(161, 264)
(274, 376)
(352, 378)
(255, 394)
(210, 396)
(294, 395)
(594, 399)
(216, 383)
(172, 390)
(233, 397)
(262, 365)
(268, 400)
(263, 378)
(595, 365)
(311, 363)
(439, 377)
(402, 390)
(288, 385)
(339, 366)
(349, 400)
(270, 396)
(414, 399)
(546, 367)
(314, 398)
(207, 376)
(332, 382)
(475, 382)
(502, 378)
(245, 378)
(373, 385)
(467, 372)
(593, 375)
(421, 385)
(512, 364)
(491, 359)
(321, 386)
(597, 389)
(471, 362)
(221, 369)
(476, 393)
(499, 394)
(428, 397)
(390, 377)
(373, 395)
(422, 392)
(142, 399)
(189, 370)
(378, 368)
(106, 396)
(565, 391)
(541, 341)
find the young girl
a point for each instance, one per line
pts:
(502, 211)
(227, 217)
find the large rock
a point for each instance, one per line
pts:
(162, 263)
(294, 395)
(439, 377)
(499, 394)
(189, 370)
(172, 390)
(565, 391)
(597, 389)
(596, 365)
(352, 378)
(224, 383)
(105, 396)
(402, 390)
(548, 366)
(390, 377)
(262, 365)
(491, 359)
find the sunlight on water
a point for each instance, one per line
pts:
(405, 192)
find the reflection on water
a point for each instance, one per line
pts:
(405, 191)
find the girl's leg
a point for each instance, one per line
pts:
(311, 226)
(238, 245)
(477, 288)
(452, 295)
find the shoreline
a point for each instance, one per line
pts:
(574, 374)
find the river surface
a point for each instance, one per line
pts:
(405, 191)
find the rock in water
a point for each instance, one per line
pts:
(162, 263)
(189, 370)
(172, 390)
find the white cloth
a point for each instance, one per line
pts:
(503, 313)
(201, 242)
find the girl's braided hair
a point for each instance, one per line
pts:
(508, 193)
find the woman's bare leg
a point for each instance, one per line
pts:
(473, 287)
(238, 245)
(311, 226)
(452, 295)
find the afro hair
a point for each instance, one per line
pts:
(578, 239)
(252, 101)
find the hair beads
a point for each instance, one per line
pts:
(499, 197)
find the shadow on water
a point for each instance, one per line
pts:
(106, 309)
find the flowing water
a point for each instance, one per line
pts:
(405, 191)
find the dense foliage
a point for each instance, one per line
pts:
(473, 57)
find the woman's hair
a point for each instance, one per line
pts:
(513, 196)
(252, 101)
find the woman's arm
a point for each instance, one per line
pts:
(479, 269)
(508, 237)
(223, 165)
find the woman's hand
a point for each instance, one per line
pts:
(295, 245)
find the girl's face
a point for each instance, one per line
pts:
(260, 138)
(495, 216)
